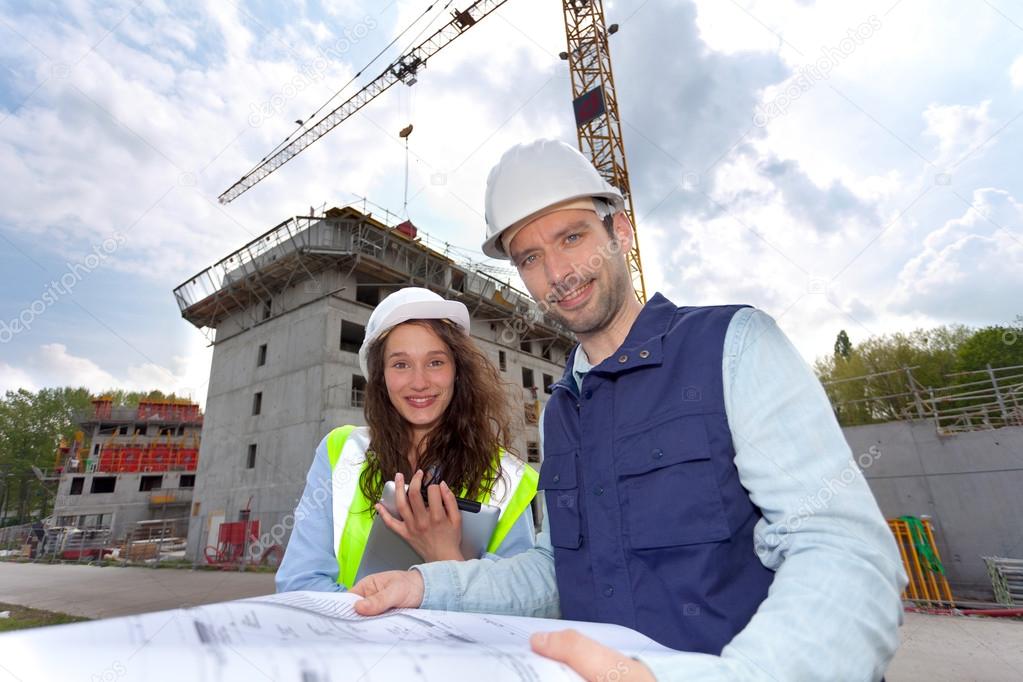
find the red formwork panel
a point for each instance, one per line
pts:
(102, 408)
(135, 459)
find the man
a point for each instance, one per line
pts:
(698, 488)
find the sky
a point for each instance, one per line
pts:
(839, 165)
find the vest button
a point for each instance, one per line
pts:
(622, 359)
(609, 591)
(588, 394)
(644, 354)
(557, 477)
(657, 453)
(598, 491)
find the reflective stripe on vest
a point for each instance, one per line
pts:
(346, 451)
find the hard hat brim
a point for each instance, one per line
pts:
(453, 311)
(494, 246)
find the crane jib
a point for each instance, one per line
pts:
(402, 69)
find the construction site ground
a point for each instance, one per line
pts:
(934, 648)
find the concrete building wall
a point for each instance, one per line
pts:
(969, 484)
(123, 507)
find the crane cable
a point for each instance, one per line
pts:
(345, 86)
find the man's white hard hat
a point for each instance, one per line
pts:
(533, 179)
(410, 303)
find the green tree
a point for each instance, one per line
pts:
(871, 384)
(31, 427)
(843, 346)
(999, 346)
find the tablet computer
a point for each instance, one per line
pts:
(387, 551)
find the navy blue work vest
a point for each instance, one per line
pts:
(650, 525)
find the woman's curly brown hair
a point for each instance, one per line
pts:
(463, 446)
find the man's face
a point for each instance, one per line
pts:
(573, 268)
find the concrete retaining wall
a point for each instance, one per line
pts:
(970, 484)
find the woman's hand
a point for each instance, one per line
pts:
(434, 532)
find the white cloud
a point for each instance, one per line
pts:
(166, 97)
(1016, 73)
(971, 268)
(13, 378)
(959, 128)
(51, 364)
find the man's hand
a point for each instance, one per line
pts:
(434, 532)
(388, 590)
(594, 661)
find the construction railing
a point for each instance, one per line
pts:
(927, 583)
(977, 400)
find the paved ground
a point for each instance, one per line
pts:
(98, 592)
(958, 648)
(934, 648)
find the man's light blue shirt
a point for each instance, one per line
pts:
(834, 608)
(310, 562)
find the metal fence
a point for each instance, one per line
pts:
(13, 537)
(990, 398)
(147, 542)
(63, 543)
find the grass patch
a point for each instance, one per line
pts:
(23, 617)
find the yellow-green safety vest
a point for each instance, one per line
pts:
(346, 450)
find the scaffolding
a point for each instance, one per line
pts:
(122, 442)
(299, 248)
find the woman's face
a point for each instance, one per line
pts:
(420, 374)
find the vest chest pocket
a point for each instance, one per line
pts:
(561, 492)
(669, 489)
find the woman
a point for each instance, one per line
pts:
(435, 409)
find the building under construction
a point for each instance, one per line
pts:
(289, 311)
(129, 472)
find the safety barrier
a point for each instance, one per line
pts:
(927, 585)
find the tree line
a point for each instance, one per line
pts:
(873, 381)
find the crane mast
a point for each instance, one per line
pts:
(595, 103)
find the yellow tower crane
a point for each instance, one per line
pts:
(595, 102)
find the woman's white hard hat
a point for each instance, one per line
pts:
(533, 179)
(410, 303)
